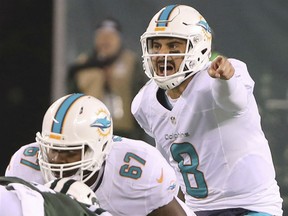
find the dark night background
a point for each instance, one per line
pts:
(25, 71)
(255, 32)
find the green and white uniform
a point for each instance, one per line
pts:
(21, 198)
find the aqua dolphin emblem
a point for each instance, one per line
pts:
(102, 123)
(204, 25)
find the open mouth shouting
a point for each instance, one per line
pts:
(165, 71)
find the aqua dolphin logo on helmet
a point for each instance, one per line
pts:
(204, 25)
(103, 123)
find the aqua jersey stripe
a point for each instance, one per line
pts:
(62, 111)
(165, 15)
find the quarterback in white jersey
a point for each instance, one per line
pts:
(204, 118)
(129, 177)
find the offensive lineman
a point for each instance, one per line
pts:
(129, 177)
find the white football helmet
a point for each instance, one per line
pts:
(76, 189)
(75, 122)
(184, 22)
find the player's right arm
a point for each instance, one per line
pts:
(232, 86)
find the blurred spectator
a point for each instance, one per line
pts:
(111, 73)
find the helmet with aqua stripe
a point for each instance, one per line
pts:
(181, 22)
(76, 138)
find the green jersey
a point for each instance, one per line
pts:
(33, 195)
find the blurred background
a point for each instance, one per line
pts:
(40, 39)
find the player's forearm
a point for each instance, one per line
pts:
(230, 95)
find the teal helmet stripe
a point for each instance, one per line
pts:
(164, 16)
(62, 111)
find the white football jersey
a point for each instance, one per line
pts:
(137, 179)
(24, 164)
(214, 142)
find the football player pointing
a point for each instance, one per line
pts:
(204, 118)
